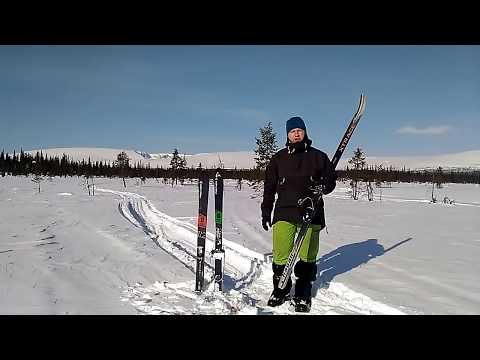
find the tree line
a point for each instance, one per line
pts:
(40, 165)
(358, 170)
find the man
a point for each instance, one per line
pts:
(291, 173)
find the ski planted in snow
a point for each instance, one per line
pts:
(218, 253)
(311, 210)
(202, 229)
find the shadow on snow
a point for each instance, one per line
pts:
(346, 258)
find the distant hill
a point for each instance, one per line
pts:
(245, 159)
(462, 160)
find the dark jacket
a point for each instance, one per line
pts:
(290, 175)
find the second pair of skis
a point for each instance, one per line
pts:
(218, 253)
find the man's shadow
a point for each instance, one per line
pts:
(346, 258)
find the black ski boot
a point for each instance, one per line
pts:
(305, 273)
(279, 296)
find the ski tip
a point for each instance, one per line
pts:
(361, 106)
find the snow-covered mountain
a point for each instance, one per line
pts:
(245, 159)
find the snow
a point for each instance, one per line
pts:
(133, 250)
(245, 159)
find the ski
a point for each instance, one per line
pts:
(311, 209)
(348, 133)
(202, 228)
(218, 252)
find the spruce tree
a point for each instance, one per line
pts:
(358, 159)
(176, 162)
(266, 146)
(358, 162)
(123, 164)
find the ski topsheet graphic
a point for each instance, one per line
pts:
(348, 133)
(202, 229)
(218, 253)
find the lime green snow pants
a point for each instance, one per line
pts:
(284, 236)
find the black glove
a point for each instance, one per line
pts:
(266, 222)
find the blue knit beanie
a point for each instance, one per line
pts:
(295, 122)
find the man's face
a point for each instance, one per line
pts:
(296, 135)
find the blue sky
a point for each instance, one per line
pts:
(421, 100)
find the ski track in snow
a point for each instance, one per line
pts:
(247, 277)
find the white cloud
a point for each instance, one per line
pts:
(430, 130)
